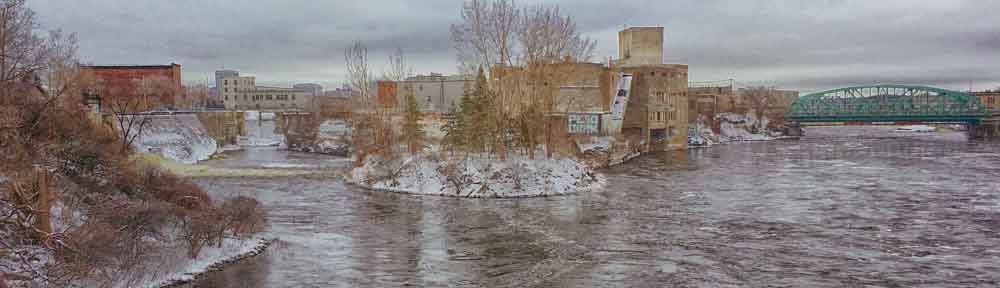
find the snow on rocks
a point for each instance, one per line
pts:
(334, 138)
(739, 127)
(179, 137)
(596, 144)
(475, 177)
(700, 135)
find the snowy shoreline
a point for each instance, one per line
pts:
(198, 271)
(476, 177)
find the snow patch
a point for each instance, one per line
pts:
(476, 177)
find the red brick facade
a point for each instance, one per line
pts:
(127, 81)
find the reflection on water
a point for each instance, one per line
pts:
(846, 206)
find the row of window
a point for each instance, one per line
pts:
(662, 96)
(281, 97)
(235, 82)
(671, 75)
(659, 116)
(257, 106)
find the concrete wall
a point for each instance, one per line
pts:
(640, 46)
(225, 127)
(434, 95)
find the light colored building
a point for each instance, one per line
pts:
(435, 93)
(242, 93)
(311, 88)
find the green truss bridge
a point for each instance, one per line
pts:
(887, 103)
(890, 103)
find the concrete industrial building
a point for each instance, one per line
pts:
(640, 46)
(580, 94)
(242, 93)
(435, 93)
(657, 110)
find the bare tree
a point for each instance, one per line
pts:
(546, 36)
(22, 52)
(125, 109)
(486, 35)
(196, 96)
(35, 73)
(398, 70)
(358, 72)
(759, 99)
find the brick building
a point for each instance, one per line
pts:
(154, 86)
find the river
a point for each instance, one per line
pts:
(842, 207)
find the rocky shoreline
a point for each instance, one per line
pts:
(189, 278)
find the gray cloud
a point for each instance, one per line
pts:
(807, 45)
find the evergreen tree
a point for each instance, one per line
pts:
(413, 131)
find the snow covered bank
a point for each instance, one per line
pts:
(179, 137)
(476, 177)
(212, 259)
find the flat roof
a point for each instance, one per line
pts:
(171, 65)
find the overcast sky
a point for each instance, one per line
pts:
(806, 45)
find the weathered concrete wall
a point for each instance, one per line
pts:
(225, 127)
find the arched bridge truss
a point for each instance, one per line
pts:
(887, 103)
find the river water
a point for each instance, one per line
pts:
(843, 207)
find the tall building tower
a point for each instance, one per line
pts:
(221, 74)
(640, 46)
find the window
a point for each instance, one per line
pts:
(225, 82)
(293, 97)
(227, 97)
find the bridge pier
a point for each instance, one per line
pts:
(986, 129)
(793, 129)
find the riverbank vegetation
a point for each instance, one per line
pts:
(504, 138)
(76, 208)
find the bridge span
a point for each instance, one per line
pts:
(890, 103)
